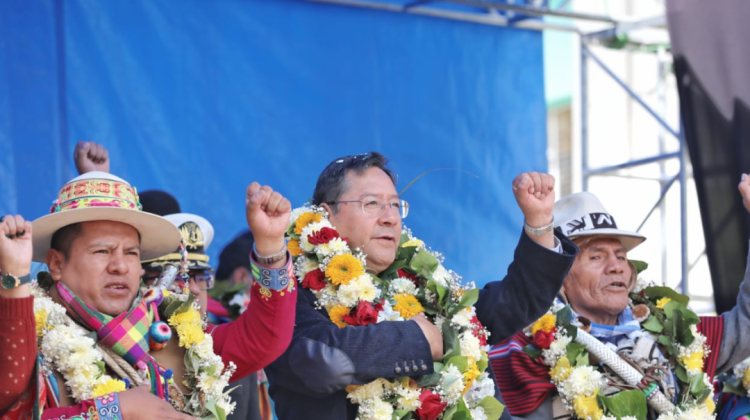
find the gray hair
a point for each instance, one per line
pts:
(332, 182)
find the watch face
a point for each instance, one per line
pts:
(9, 282)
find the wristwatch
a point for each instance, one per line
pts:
(9, 281)
(540, 231)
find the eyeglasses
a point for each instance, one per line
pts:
(375, 207)
(205, 279)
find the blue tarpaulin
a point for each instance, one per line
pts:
(200, 98)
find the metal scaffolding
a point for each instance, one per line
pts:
(613, 33)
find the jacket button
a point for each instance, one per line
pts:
(424, 368)
(397, 370)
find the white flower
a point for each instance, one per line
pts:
(388, 314)
(376, 409)
(334, 247)
(441, 276)
(482, 388)
(641, 284)
(374, 390)
(359, 289)
(302, 266)
(408, 398)
(470, 346)
(557, 349)
(629, 418)
(296, 213)
(439, 320)
(227, 405)
(478, 413)
(463, 317)
(451, 385)
(402, 285)
(584, 380)
(205, 348)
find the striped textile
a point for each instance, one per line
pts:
(525, 383)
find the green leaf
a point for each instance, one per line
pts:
(461, 362)
(681, 374)
(462, 413)
(564, 316)
(424, 263)
(391, 272)
(640, 266)
(493, 409)
(448, 414)
(451, 346)
(399, 414)
(572, 331)
(573, 350)
(430, 380)
(697, 386)
(658, 292)
(469, 298)
(663, 339)
(734, 390)
(652, 324)
(483, 363)
(532, 351)
(582, 360)
(625, 403)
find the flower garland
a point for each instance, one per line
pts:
(416, 283)
(69, 349)
(664, 317)
(737, 380)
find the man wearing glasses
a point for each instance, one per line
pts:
(197, 234)
(309, 380)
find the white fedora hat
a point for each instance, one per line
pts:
(582, 214)
(97, 196)
(197, 233)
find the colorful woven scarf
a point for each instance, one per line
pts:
(126, 334)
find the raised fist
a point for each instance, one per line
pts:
(267, 214)
(535, 195)
(15, 245)
(90, 156)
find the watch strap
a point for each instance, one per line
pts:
(9, 281)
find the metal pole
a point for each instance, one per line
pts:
(662, 98)
(683, 211)
(584, 119)
(633, 163)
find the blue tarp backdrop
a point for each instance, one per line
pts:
(201, 97)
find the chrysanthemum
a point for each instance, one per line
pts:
(305, 219)
(407, 305)
(343, 268)
(40, 317)
(189, 327)
(561, 370)
(471, 374)
(337, 314)
(694, 361)
(545, 323)
(108, 385)
(586, 408)
(414, 242)
(293, 247)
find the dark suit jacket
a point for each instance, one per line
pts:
(308, 381)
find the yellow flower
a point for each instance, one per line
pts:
(337, 313)
(40, 317)
(694, 361)
(412, 242)
(189, 327)
(471, 374)
(746, 379)
(407, 305)
(587, 408)
(352, 388)
(344, 268)
(545, 323)
(293, 247)
(561, 370)
(305, 219)
(710, 405)
(661, 302)
(109, 386)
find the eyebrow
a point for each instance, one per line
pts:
(369, 194)
(620, 250)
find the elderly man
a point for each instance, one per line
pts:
(310, 379)
(597, 288)
(94, 241)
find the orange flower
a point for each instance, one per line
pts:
(293, 247)
(407, 305)
(344, 268)
(337, 314)
(305, 219)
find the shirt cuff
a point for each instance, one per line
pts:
(558, 246)
(279, 280)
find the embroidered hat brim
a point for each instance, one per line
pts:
(101, 196)
(629, 240)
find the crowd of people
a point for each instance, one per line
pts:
(335, 311)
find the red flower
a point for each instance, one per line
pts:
(407, 275)
(363, 314)
(543, 339)
(478, 331)
(323, 236)
(432, 406)
(379, 305)
(315, 280)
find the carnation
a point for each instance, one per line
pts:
(451, 385)
(557, 349)
(304, 243)
(408, 398)
(583, 381)
(402, 285)
(441, 276)
(463, 318)
(470, 346)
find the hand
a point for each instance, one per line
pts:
(432, 334)
(138, 403)
(15, 246)
(535, 195)
(744, 188)
(90, 156)
(267, 214)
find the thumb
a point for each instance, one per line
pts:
(82, 149)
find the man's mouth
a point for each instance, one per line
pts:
(117, 288)
(386, 238)
(617, 285)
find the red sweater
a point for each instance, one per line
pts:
(17, 353)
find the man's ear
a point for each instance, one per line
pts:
(327, 208)
(241, 275)
(55, 262)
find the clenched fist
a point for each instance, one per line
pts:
(267, 214)
(535, 195)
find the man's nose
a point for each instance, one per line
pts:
(390, 216)
(615, 265)
(117, 263)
